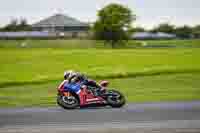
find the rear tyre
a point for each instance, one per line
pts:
(70, 102)
(116, 100)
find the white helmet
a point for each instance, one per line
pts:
(68, 74)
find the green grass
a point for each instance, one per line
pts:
(20, 66)
(167, 87)
(67, 44)
(29, 76)
(172, 87)
(85, 44)
(195, 42)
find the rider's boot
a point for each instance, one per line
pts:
(82, 96)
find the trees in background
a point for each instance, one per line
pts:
(17, 25)
(11, 26)
(114, 24)
(184, 32)
(164, 27)
(196, 31)
(139, 29)
(23, 25)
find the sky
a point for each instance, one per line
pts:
(149, 12)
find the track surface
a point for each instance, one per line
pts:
(170, 117)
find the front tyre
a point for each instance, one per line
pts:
(116, 99)
(66, 102)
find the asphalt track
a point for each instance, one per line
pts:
(179, 117)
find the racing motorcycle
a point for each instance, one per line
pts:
(94, 95)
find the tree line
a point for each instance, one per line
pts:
(180, 31)
(16, 25)
(114, 24)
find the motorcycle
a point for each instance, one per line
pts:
(94, 95)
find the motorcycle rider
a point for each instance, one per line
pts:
(74, 81)
(71, 82)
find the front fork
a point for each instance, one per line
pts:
(67, 94)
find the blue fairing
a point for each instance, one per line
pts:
(74, 87)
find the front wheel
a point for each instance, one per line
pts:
(116, 99)
(66, 102)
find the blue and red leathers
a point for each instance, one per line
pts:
(74, 86)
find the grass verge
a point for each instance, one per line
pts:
(20, 66)
(175, 87)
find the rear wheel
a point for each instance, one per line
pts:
(68, 102)
(116, 99)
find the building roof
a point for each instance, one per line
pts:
(60, 20)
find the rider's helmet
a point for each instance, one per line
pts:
(74, 77)
(68, 74)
